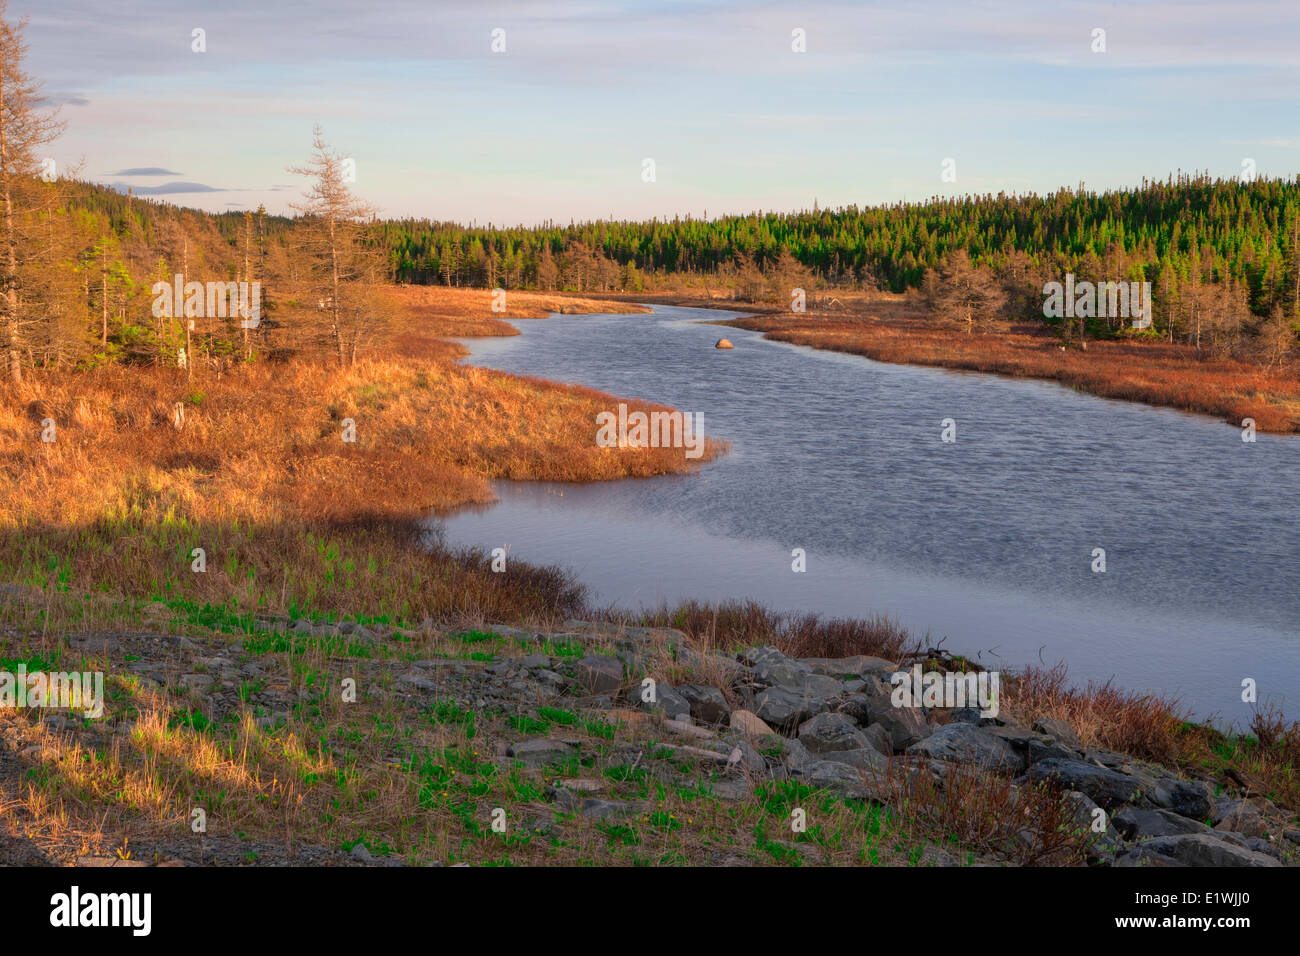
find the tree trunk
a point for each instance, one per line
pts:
(11, 259)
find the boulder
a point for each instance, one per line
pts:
(858, 665)
(598, 809)
(880, 739)
(600, 674)
(1108, 842)
(1205, 849)
(835, 776)
(540, 751)
(968, 744)
(707, 704)
(786, 709)
(827, 732)
(748, 723)
(1241, 816)
(1138, 824)
(863, 758)
(906, 726)
(1109, 788)
(761, 654)
(788, 674)
(668, 702)
(1060, 731)
(1185, 798)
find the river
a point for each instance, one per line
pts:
(986, 543)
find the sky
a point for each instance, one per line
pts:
(559, 125)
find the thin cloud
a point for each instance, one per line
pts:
(166, 189)
(146, 171)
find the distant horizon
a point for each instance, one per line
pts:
(822, 207)
(741, 106)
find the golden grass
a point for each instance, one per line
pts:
(260, 476)
(897, 329)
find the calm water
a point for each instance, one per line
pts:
(986, 542)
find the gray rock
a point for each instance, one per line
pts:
(785, 709)
(785, 674)
(767, 654)
(708, 705)
(416, 682)
(602, 809)
(966, 743)
(1039, 749)
(880, 739)
(534, 661)
(906, 726)
(359, 852)
(1260, 845)
(667, 702)
(1020, 739)
(750, 759)
(1184, 797)
(540, 751)
(1108, 843)
(1138, 824)
(835, 776)
(829, 731)
(600, 674)
(1203, 849)
(864, 758)
(795, 756)
(844, 667)
(1241, 816)
(1109, 788)
(1059, 731)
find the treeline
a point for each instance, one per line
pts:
(1207, 246)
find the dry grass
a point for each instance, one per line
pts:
(260, 476)
(1144, 725)
(431, 314)
(987, 813)
(1260, 762)
(897, 329)
(735, 625)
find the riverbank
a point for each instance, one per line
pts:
(900, 329)
(293, 741)
(302, 484)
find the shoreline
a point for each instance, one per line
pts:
(888, 328)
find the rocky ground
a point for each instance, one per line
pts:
(507, 745)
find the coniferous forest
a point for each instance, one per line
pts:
(1222, 257)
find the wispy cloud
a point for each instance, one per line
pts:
(557, 126)
(145, 171)
(166, 189)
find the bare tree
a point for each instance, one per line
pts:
(967, 294)
(332, 233)
(23, 130)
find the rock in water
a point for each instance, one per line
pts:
(724, 344)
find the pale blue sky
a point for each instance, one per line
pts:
(557, 126)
